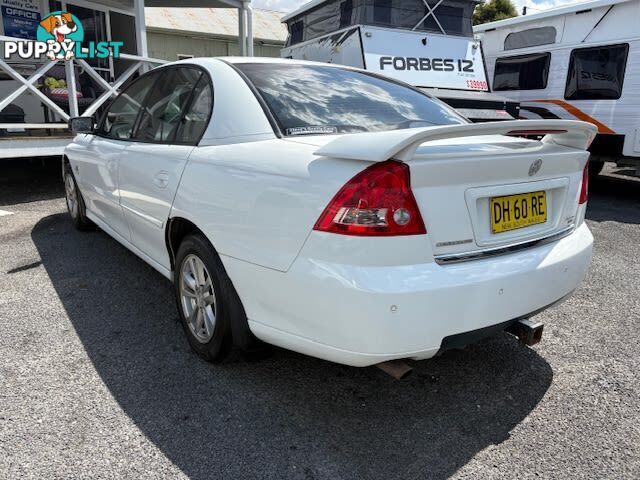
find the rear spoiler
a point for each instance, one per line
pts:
(402, 144)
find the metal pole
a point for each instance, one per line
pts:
(249, 10)
(71, 89)
(141, 31)
(241, 36)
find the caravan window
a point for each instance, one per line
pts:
(524, 72)
(297, 28)
(382, 12)
(451, 18)
(346, 9)
(596, 73)
(530, 38)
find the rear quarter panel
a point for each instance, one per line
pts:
(258, 201)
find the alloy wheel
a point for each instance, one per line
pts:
(197, 297)
(71, 195)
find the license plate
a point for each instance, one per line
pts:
(517, 211)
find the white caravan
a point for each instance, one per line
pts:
(428, 44)
(576, 62)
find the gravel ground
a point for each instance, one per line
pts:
(97, 380)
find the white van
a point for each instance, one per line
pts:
(426, 44)
(576, 62)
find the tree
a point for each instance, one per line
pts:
(493, 10)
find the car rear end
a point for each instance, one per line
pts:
(445, 233)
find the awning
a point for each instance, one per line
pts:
(196, 3)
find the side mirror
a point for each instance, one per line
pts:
(82, 125)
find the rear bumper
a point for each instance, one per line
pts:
(362, 315)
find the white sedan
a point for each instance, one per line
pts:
(331, 211)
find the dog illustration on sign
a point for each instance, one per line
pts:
(60, 25)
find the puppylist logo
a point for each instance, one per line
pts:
(60, 36)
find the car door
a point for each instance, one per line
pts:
(97, 165)
(172, 121)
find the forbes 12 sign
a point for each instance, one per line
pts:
(433, 61)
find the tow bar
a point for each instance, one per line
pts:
(527, 331)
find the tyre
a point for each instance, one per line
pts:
(75, 202)
(207, 302)
(595, 168)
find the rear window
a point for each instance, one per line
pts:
(312, 100)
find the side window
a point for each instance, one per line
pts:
(119, 119)
(525, 72)
(162, 112)
(196, 118)
(596, 73)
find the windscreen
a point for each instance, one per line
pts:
(316, 99)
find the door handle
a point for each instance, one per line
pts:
(161, 179)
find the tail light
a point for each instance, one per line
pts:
(584, 192)
(376, 202)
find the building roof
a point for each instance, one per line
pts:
(552, 12)
(216, 22)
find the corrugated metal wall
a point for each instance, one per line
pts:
(169, 46)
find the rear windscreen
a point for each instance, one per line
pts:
(314, 99)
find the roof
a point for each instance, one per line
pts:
(204, 61)
(314, 3)
(552, 12)
(283, 61)
(214, 22)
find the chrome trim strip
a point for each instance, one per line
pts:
(492, 252)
